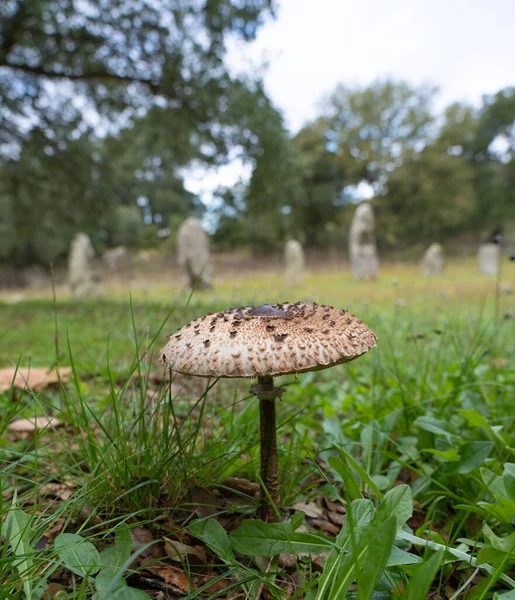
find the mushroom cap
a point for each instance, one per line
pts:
(278, 339)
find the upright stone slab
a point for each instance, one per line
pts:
(489, 258)
(116, 258)
(294, 259)
(432, 263)
(362, 244)
(80, 273)
(193, 255)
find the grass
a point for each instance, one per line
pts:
(415, 442)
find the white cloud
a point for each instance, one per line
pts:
(466, 47)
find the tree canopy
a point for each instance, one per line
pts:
(104, 105)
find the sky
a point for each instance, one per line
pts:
(465, 47)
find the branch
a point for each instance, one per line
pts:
(42, 72)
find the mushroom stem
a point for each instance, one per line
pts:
(270, 496)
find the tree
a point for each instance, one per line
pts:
(101, 104)
(430, 197)
(374, 129)
(116, 57)
(322, 182)
(494, 159)
(259, 213)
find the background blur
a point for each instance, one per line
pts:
(269, 120)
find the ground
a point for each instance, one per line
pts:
(130, 486)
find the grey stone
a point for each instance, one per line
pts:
(143, 257)
(432, 263)
(115, 258)
(488, 259)
(362, 244)
(193, 255)
(294, 259)
(81, 277)
(35, 276)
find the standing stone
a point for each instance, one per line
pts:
(115, 258)
(80, 273)
(294, 259)
(362, 244)
(193, 255)
(489, 258)
(432, 263)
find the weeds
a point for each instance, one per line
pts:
(131, 492)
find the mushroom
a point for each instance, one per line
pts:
(264, 342)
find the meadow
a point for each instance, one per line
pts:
(397, 469)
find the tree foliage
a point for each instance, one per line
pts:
(102, 104)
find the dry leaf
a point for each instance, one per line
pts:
(310, 509)
(325, 525)
(205, 502)
(58, 490)
(240, 484)
(33, 378)
(141, 537)
(499, 362)
(28, 425)
(336, 518)
(178, 551)
(215, 586)
(334, 506)
(173, 576)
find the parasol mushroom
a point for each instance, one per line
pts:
(264, 342)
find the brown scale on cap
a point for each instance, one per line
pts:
(298, 341)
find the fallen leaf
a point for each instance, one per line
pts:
(28, 425)
(58, 490)
(310, 509)
(215, 586)
(178, 551)
(251, 488)
(142, 536)
(334, 506)
(286, 560)
(36, 379)
(173, 576)
(325, 525)
(336, 518)
(499, 362)
(206, 504)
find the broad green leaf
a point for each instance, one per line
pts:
(114, 558)
(493, 481)
(104, 581)
(18, 535)
(365, 477)
(506, 544)
(397, 502)
(474, 419)
(506, 596)
(379, 547)
(434, 425)
(361, 513)
(491, 556)
(346, 475)
(77, 554)
(255, 538)
(497, 510)
(473, 454)
(449, 455)
(338, 573)
(509, 480)
(401, 557)
(423, 577)
(215, 537)
(297, 519)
